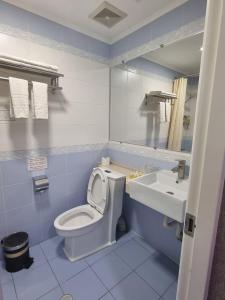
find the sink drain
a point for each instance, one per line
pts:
(67, 297)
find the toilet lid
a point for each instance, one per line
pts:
(98, 190)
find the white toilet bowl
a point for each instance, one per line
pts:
(77, 221)
(91, 227)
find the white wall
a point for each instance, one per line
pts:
(128, 91)
(77, 115)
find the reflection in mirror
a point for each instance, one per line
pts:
(153, 97)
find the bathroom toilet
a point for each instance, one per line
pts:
(91, 227)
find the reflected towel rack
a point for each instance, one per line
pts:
(54, 76)
(163, 96)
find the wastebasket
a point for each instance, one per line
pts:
(16, 252)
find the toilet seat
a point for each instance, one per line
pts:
(77, 219)
(98, 190)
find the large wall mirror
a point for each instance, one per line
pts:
(153, 97)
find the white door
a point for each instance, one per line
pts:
(208, 157)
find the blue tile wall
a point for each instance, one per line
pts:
(21, 209)
(149, 224)
(145, 221)
(27, 22)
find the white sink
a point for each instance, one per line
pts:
(161, 192)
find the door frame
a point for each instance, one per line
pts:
(208, 160)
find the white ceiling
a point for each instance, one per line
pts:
(74, 14)
(183, 56)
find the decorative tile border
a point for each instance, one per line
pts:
(35, 38)
(24, 154)
(185, 31)
(159, 154)
(181, 33)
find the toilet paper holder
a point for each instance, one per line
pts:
(40, 183)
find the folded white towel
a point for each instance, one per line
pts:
(39, 100)
(19, 102)
(18, 60)
(164, 112)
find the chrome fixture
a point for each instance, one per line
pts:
(52, 76)
(180, 169)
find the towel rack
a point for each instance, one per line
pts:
(50, 87)
(163, 96)
(54, 76)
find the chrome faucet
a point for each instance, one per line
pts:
(180, 169)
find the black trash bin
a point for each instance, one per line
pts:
(16, 252)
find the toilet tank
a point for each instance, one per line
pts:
(116, 193)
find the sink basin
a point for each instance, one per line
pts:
(161, 192)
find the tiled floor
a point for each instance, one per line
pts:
(129, 270)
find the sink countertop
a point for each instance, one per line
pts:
(128, 172)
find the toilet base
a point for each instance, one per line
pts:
(80, 246)
(73, 259)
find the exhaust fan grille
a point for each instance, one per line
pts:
(108, 15)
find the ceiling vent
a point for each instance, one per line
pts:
(108, 15)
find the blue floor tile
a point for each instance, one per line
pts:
(132, 253)
(84, 286)
(98, 255)
(107, 297)
(134, 288)
(159, 272)
(39, 259)
(53, 247)
(55, 294)
(111, 270)
(38, 256)
(141, 242)
(65, 269)
(4, 275)
(8, 291)
(126, 237)
(171, 292)
(32, 284)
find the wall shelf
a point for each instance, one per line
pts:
(162, 95)
(54, 76)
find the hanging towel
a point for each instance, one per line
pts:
(164, 112)
(39, 100)
(19, 102)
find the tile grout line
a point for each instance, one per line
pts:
(108, 290)
(73, 276)
(113, 250)
(46, 293)
(47, 261)
(144, 263)
(147, 284)
(91, 268)
(100, 280)
(169, 288)
(134, 270)
(15, 288)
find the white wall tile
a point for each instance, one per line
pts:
(79, 114)
(128, 91)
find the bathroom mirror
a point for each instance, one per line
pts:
(153, 97)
